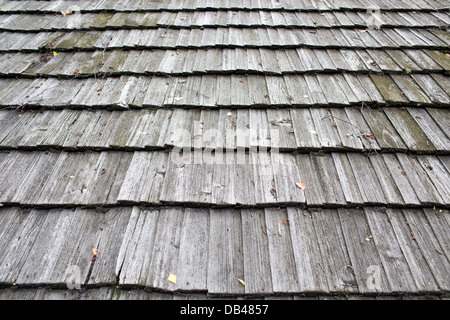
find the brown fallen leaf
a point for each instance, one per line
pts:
(94, 252)
(350, 267)
(273, 192)
(241, 81)
(438, 251)
(263, 230)
(75, 71)
(65, 12)
(285, 221)
(301, 185)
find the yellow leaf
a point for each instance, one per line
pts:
(241, 281)
(55, 53)
(95, 251)
(172, 278)
(301, 185)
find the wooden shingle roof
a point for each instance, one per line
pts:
(263, 148)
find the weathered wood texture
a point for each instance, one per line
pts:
(195, 149)
(304, 129)
(224, 179)
(228, 252)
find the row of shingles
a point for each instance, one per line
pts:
(246, 244)
(272, 5)
(302, 129)
(63, 179)
(185, 62)
(227, 91)
(199, 19)
(226, 179)
(404, 251)
(55, 247)
(392, 38)
(331, 180)
(207, 37)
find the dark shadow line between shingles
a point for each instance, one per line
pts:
(232, 46)
(193, 205)
(104, 75)
(241, 26)
(320, 151)
(79, 294)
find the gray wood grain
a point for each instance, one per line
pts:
(364, 257)
(366, 178)
(387, 182)
(430, 128)
(309, 262)
(346, 178)
(134, 255)
(165, 253)
(422, 185)
(314, 194)
(333, 251)
(417, 263)
(383, 131)
(437, 173)
(225, 256)
(282, 261)
(328, 179)
(193, 253)
(399, 176)
(286, 177)
(257, 271)
(429, 244)
(398, 273)
(305, 132)
(281, 130)
(109, 239)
